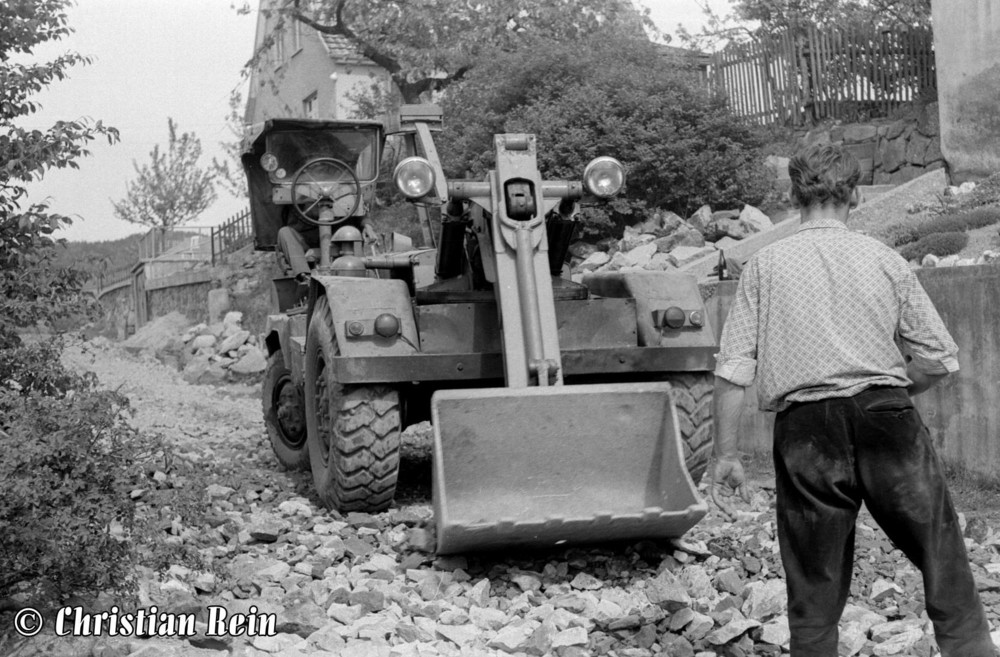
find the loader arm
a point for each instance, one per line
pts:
(539, 463)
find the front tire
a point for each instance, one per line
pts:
(281, 399)
(353, 431)
(693, 401)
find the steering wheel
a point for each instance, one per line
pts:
(319, 181)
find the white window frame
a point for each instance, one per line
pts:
(296, 37)
(310, 106)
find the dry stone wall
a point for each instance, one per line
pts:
(891, 151)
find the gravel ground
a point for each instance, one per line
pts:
(364, 585)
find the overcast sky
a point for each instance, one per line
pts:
(154, 59)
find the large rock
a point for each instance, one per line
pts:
(916, 149)
(668, 595)
(765, 599)
(755, 217)
(731, 631)
(859, 133)
(929, 120)
(730, 225)
(853, 638)
(252, 362)
(899, 644)
(701, 219)
(234, 341)
(685, 254)
(203, 342)
(594, 261)
(776, 632)
(684, 235)
(892, 154)
(641, 255)
(158, 333)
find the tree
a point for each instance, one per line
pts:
(426, 46)
(172, 189)
(608, 96)
(229, 171)
(751, 19)
(31, 289)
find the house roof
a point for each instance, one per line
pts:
(700, 59)
(343, 50)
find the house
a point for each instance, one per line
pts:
(306, 74)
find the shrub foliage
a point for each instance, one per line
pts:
(608, 96)
(65, 514)
(904, 233)
(65, 464)
(939, 244)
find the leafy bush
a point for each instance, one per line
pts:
(68, 466)
(899, 234)
(905, 233)
(978, 218)
(622, 97)
(65, 514)
(939, 244)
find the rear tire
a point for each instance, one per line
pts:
(281, 399)
(353, 430)
(693, 401)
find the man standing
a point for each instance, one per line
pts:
(838, 334)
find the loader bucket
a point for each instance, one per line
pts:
(541, 467)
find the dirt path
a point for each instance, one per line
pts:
(360, 586)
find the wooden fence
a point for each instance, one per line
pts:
(852, 73)
(233, 234)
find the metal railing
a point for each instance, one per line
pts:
(185, 242)
(231, 235)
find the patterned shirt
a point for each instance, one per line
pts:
(824, 313)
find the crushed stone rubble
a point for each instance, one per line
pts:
(366, 585)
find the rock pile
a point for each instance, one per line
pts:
(204, 353)
(666, 241)
(988, 257)
(214, 353)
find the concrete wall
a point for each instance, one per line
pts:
(967, 47)
(116, 310)
(963, 412)
(185, 292)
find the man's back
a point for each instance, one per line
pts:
(828, 304)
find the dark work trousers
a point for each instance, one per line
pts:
(294, 244)
(829, 457)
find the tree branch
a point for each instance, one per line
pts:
(341, 28)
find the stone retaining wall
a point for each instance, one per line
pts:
(891, 151)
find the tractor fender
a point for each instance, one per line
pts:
(654, 292)
(359, 306)
(286, 333)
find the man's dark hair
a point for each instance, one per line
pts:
(823, 174)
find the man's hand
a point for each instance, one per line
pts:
(728, 473)
(370, 236)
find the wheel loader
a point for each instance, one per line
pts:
(563, 411)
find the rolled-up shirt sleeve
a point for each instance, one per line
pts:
(737, 358)
(923, 333)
